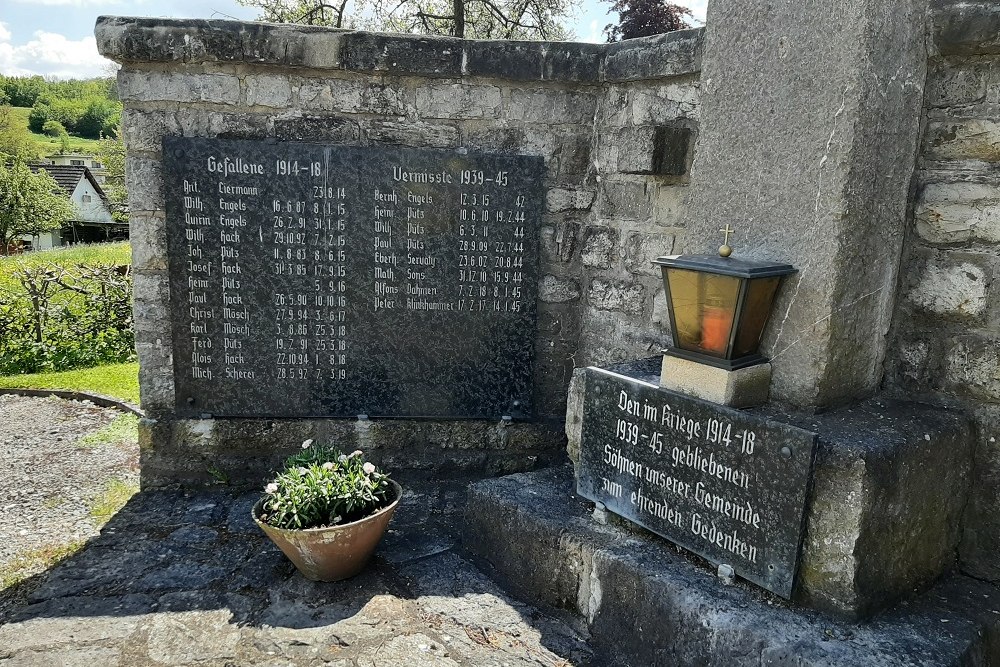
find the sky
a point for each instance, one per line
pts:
(55, 38)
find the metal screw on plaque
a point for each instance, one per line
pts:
(190, 400)
(786, 452)
(362, 418)
(727, 574)
(601, 513)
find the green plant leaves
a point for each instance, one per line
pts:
(321, 486)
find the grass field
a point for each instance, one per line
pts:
(119, 381)
(112, 254)
(48, 145)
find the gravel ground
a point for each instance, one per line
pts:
(50, 479)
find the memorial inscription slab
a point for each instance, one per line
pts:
(320, 280)
(727, 485)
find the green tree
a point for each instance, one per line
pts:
(15, 140)
(474, 19)
(111, 153)
(30, 203)
(642, 18)
(54, 128)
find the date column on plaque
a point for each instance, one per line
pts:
(490, 243)
(308, 232)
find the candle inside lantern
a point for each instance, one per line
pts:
(716, 324)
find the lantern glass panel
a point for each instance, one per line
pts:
(756, 310)
(704, 307)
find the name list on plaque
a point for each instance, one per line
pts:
(728, 485)
(321, 280)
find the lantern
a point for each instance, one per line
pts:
(719, 306)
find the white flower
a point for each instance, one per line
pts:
(328, 465)
(271, 488)
(302, 471)
(306, 444)
(369, 468)
(356, 452)
(342, 458)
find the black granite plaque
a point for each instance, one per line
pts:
(725, 484)
(320, 280)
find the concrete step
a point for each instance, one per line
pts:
(646, 603)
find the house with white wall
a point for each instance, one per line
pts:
(93, 221)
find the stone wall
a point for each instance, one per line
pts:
(945, 340)
(615, 124)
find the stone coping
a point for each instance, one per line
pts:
(184, 41)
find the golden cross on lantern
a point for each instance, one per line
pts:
(724, 249)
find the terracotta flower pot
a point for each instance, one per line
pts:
(334, 553)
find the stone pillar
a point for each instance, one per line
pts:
(809, 126)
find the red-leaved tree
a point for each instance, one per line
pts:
(641, 18)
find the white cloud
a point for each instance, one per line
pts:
(51, 54)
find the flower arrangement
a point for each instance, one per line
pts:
(321, 487)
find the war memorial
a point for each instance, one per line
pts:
(495, 267)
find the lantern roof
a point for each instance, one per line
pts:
(726, 266)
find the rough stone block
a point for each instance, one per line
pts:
(268, 90)
(566, 199)
(743, 388)
(144, 180)
(457, 101)
(148, 238)
(421, 56)
(574, 156)
(140, 86)
(664, 104)
(413, 133)
(545, 105)
(354, 96)
(599, 245)
(670, 205)
(966, 28)
(959, 212)
(659, 56)
(660, 151)
(626, 200)
(970, 367)
(533, 534)
(574, 414)
(951, 288)
(661, 316)
(966, 139)
(559, 240)
(624, 297)
(334, 129)
(641, 248)
(554, 289)
(980, 544)
(890, 483)
(952, 83)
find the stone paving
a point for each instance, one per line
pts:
(187, 579)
